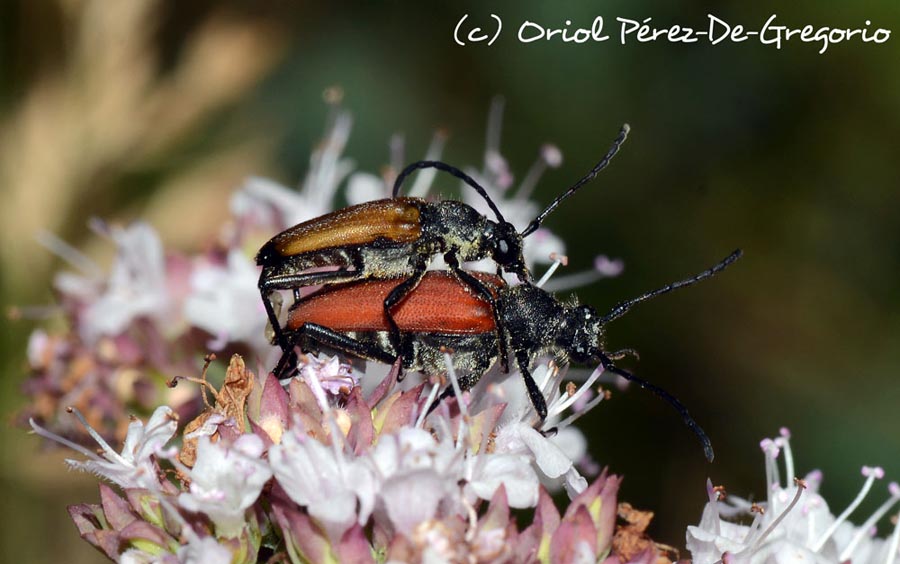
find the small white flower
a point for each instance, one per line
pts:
(333, 376)
(204, 550)
(413, 497)
(136, 286)
(513, 471)
(134, 467)
(226, 481)
(416, 475)
(556, 452)
(264, 202)
(224, 301)
(554, 465)
(329, 483)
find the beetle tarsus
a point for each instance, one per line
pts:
(534, 393)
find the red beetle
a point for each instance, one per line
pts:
(443, 313)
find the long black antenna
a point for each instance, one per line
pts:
(604, 162)
(685, 416)
(621, 309)
(455, 172)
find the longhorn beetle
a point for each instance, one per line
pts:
(397, 238)
(443, 314)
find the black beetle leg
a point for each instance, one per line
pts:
(448, 392)
(269, 283)
(396, 296)
(537, 398)
(487, 296)
(288, 359)
(311, 334)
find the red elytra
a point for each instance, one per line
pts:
(440, 304)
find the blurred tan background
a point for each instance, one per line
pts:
(157, 110)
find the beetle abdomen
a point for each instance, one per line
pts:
(440, 304)
(392, 220)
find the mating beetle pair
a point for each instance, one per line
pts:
(397, 238)
(381, 303)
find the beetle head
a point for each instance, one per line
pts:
(267, 255)
(582, 330)
(506, 249)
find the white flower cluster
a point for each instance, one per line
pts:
(795, 523)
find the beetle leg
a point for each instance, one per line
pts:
(310, 333)
(485, 294)
(288, 358)
(269, 284)
(448, 392)
(396, 296)
(537, 398)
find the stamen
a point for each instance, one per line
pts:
(494, 126)
(563, 405)
(454, 381)
(754, 528)
(33, 312)
(603, 268)
(575, 416)
(894, 489)
(557, 260)
(894, 544)
(462, 432)
(801, 485)
(549, 155)
(318, 390)
(572, 281)
(40, 431)
(548, 384)
(108, 450)
(68, 253)
(871, 475)
(785, 443)
(431, 396)
(204, 384)
(337, 437)
(425, 178)
(396, 145)
(713, 495)
(773, 481)
(814, 479)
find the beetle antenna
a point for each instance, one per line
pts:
(455, 172)
(604, 162)
(621, 309)
(685, 416)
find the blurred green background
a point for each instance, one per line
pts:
(158, 109)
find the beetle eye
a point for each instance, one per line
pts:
(503, 246)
